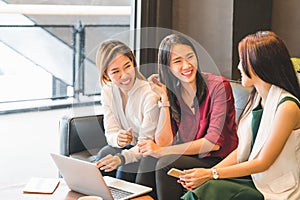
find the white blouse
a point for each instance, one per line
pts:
(141, 113)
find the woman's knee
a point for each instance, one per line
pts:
(166, 162)
(248, 194)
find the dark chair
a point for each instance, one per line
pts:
(82, 136)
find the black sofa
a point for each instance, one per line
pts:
(83, 136)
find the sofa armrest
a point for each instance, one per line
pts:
(81, 133)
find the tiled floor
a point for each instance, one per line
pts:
(25, 144)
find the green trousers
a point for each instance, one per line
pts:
(225, 189)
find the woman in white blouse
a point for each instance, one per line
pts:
(131, 111)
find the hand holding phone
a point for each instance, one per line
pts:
(175, 172)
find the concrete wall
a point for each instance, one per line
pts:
(286, 23)
(208, 24)
(218, 25)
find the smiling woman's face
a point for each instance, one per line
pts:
(121, 72)
(183, 63)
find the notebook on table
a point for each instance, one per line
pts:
(84, 177)
(38, 185)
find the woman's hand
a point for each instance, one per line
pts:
(109, 163)
(150, 148)
(158, 87)
(193, 178)
(125, 137)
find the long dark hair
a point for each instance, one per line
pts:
(171, 82)
(269, 58)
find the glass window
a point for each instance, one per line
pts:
(49, 58)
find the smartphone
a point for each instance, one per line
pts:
(175, 172)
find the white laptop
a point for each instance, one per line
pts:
(84, 177)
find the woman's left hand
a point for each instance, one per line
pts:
(193, 178)
(109, 163)
(158, 87)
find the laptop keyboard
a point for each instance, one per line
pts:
(118, 193)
